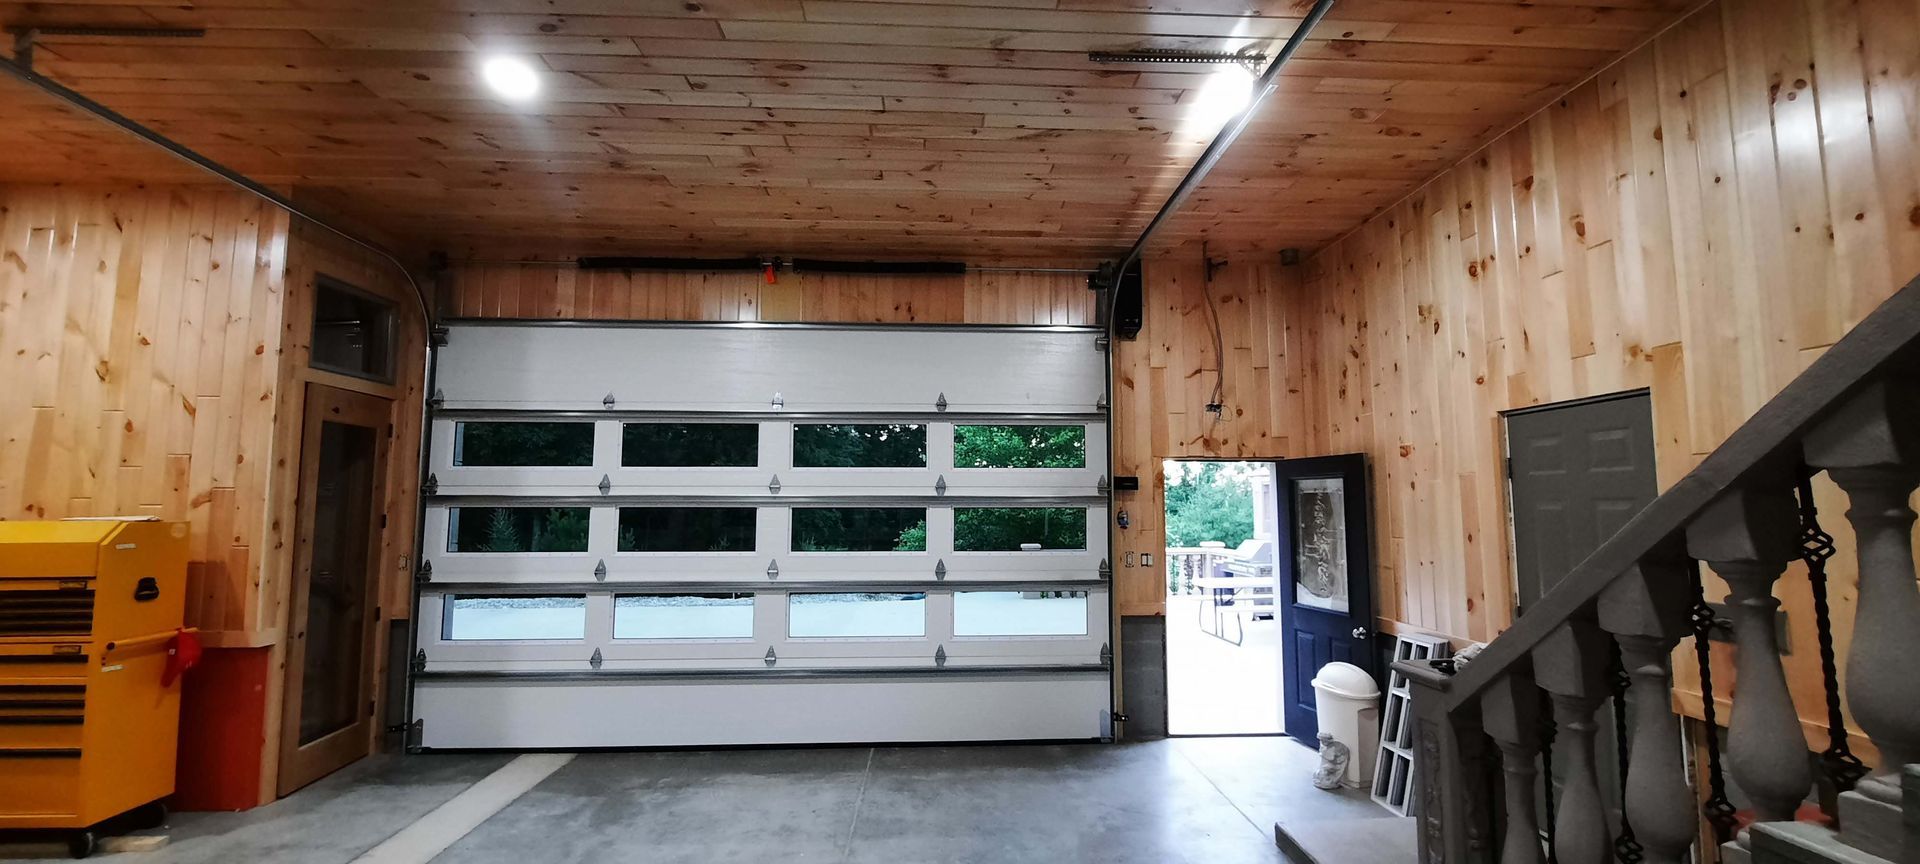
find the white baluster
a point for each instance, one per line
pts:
(1571, 665)
(1748, 537)
(1871, 449)
(1646, 610)
(1509, 712)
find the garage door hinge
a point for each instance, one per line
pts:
(1100, 343)
(1100, 404)
(438, 336)
(432, 486)
(779, 401)
(940, 404)
(595, 660)
(773, 569)
(600, 571)
(1102, 487)
(939, 570)
(608, 401)
(940, 656)
(438, 399)
(771, 658)
(606, 484)
(940, 485)
(420, 661)
(1106, 569)
(412, 731)
(773, 486)
(424, 574)
(1106, 655)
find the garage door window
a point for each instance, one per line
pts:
(683, 616)
(516, 618)
(687, 529)
(1019, 446)
(1016, 529)
(523, 445)
(1020, 613)
(517, 529)
(856, 615)
(689, 445)
(849, 445)
(859, 529)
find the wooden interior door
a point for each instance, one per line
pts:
(328, 716)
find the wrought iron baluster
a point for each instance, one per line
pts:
(1843, 769)
(1547, 730)
(1717, 809)
(1625, 848)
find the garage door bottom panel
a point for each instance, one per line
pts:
(482, 715)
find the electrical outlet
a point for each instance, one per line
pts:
(1146, 559)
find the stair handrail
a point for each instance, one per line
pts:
(1767, 442)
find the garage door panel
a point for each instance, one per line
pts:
(752, 369)
(842, 523)
(575, 715)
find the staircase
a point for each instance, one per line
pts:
(1855, 415)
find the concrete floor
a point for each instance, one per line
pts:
(1164, 802)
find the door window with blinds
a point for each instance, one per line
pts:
(764, 535)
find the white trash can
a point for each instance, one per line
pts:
(1348, 703)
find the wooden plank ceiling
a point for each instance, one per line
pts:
(967, 129)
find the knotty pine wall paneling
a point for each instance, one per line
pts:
(138, 340)
(551, 291)
(1702, 220)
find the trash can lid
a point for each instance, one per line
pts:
(1346, 679)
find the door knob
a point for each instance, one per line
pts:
(1359, 632)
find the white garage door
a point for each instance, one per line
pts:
(661, 535)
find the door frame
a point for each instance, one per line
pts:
(301, 765)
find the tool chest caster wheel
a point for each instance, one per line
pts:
(83, 842)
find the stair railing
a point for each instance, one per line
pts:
(1855, 414)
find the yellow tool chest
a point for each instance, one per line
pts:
(87, 611)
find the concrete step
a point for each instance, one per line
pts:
(1805, 843)
(1349, 841)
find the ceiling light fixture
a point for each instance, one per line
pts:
(1225, 94)
(511, 77)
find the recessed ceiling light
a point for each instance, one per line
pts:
(1224, 95)
(511, 77)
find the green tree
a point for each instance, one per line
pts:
(867, 445)
(501, 536)
(564, 530)
(1207, 502)
(1019, 446)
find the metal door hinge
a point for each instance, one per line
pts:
(773, 569)
(940, 656)
(419, 661)
(940, 404)
(779, 401)
(438, 399)
(773, 486)
(771, 658)
(1106, 654)
(1101, 403)
(1101, 343)
(432, 486)
(1102, 487)
(606, 483)
(939, 570)
(1106, 569)
(595, 660)
(608, 402)
(424, 574)
(600, 571)
(940, 485)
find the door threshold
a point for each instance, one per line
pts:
(1226, 734)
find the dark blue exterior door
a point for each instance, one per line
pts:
(1325, 595)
